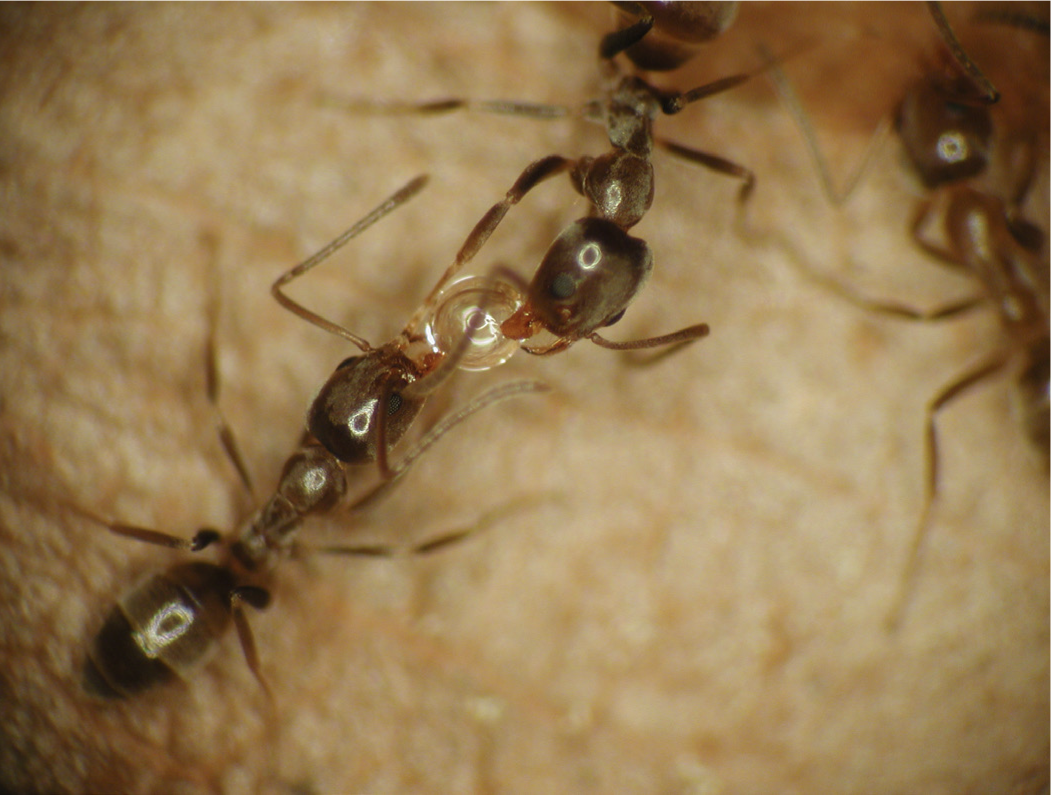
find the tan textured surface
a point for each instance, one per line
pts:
(695, 602)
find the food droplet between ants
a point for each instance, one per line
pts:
(167, 626)
(972, 221)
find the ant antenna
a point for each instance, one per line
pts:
(792, 103)
(990, 96)
(397, 199)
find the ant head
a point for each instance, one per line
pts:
(945, 137)
(347, 415)
(588, 277)
(677, 30)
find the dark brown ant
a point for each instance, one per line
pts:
(662, 36)
(167, 625)
(594, 268)
(948, 135)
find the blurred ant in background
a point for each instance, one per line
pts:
(971, 220)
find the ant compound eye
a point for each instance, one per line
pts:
(563, 286)
(394, 404)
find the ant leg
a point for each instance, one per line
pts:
(990, 96)
(614, 43)
(924, 212)
(390, 551)
(536, 172)
(226, 434)
(368, 107)
(202, 538)
(442, 427)
(436, 543)
(715, 163)
(896, 309)
(673, 102)
(903, 311)
(257, 598)
(930, 490)
(380, 414)
(212, 384)
(686, 335)
(391, 203)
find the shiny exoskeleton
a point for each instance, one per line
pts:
(166, 626)
(665, 35)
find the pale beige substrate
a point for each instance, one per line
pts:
(694, 600)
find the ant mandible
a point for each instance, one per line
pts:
(165, 627)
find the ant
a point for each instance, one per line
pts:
(948, 136)
(166, 626)
(594, 268)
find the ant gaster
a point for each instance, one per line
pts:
(661, 36)
(166, 626)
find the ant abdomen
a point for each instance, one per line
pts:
(945, 139)
(588, 277)
(160, 630)
(344, 415)
(678, 27)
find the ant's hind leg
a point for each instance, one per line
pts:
(202, 538)
(212, 387)
(495, 395)
(258, 598)
(914, 556)
(435, 543)
(438, 107)
(715, 163)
